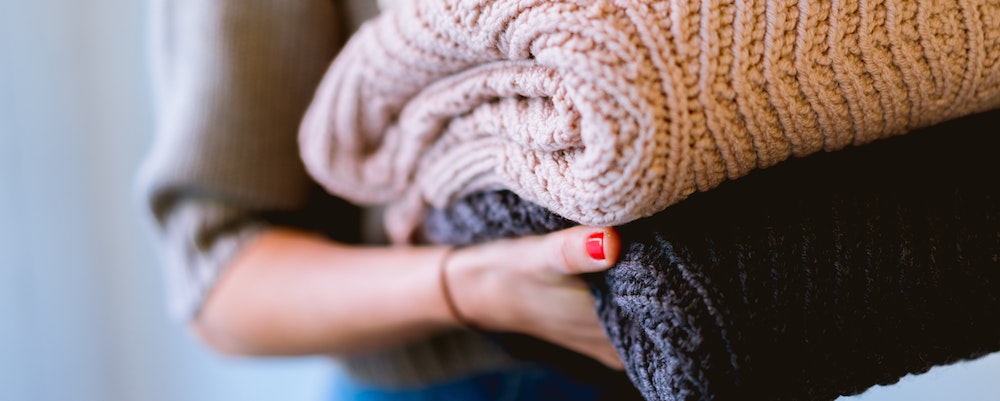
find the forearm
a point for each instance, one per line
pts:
(293, 293)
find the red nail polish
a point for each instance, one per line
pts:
(595, 245)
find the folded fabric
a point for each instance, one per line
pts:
(813, 279)
(604, 112)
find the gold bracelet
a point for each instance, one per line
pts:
(446, 292)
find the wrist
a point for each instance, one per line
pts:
(447, 293)
(474, 289)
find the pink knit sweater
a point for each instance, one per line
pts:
(608, 111)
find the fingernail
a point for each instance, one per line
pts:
(595, 245)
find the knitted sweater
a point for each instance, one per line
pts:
(817, 278)
(605, 112)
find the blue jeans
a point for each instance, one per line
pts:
(524, 383)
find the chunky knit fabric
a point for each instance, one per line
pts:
(604, 112)
(817, 278)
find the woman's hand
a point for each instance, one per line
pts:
(294, 293)
(530, 285)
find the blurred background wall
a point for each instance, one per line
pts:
(81, 305)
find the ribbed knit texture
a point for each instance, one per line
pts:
(604, 112)
(817, 278)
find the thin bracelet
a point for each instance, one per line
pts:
(446, 292)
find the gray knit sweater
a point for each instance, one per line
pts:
(233, 81)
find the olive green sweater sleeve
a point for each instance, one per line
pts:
(233, 79)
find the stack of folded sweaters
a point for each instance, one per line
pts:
(811, 278)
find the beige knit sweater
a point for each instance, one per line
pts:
(607, 111)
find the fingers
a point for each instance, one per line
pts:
(581, 249)
(600, 349)
(587, 336)
(528, 285)
(609, 357)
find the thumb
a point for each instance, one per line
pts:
(582, 249)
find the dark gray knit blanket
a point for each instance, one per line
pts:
(816, 278)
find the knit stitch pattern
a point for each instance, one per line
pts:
(607, 111)
(814, 279)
